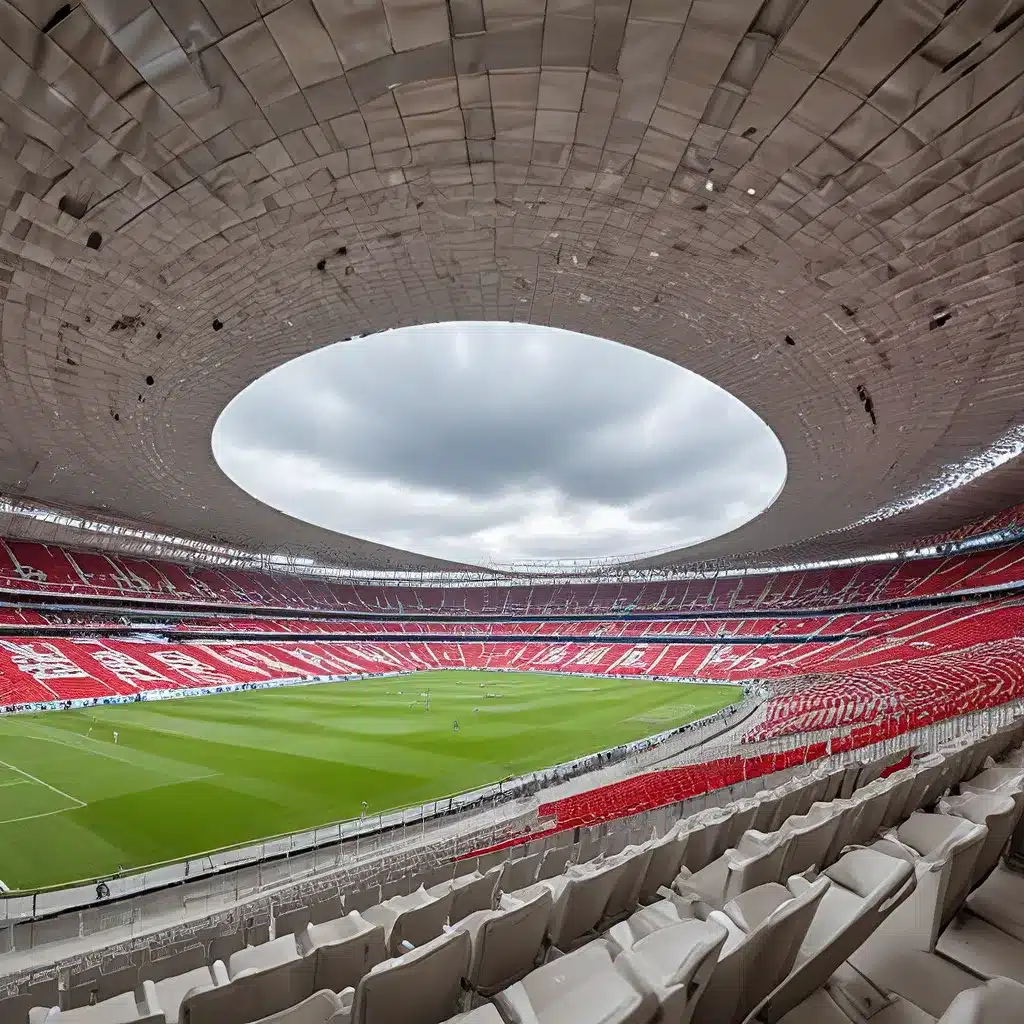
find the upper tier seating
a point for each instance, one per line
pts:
(871, 931)
(47, 569)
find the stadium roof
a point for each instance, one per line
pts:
(817, 205)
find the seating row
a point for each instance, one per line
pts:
(791, 906)
(48, 569)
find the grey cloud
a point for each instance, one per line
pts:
(496, 442)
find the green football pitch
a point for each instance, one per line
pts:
(194, 775)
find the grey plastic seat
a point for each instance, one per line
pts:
(766, 926)
(319, 1008)
(580, 897)
(944, 851)
(675, 965)
(899, 957)
(583, 987)
(414, 919)
(344, 950)
(867, 886)
(423, 986)
(707, 837)
(756, 859)
(1000, 901)
(625, 893)
(506, 942)
(170, 992)
(518, 874)
(469, 893)
(264, 979)
(554, 862)
(667, 856)
(999, 1001)
(267, 956)
(126, 1008)
(812, 835)
(997, 812)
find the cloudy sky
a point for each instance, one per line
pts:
(500, 442)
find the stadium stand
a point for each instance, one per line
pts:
(849, 644)
(824, 899)
(43, 569)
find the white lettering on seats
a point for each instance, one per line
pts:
(43, 662)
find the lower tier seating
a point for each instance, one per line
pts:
(914, 692)
(861, 893)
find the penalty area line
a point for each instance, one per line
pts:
(59, 792)
(29, 817)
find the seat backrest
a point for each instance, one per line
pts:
(319, 1008)
(742, 818)
(421, 923)
(927, 770)
(667, 855)
(960, 851)
(421, 987)
(554, 862)
(507, 944)
(900, 785)
(342, 963)
(833, 785)
(812, 834)
(872, 802)
(999, 1001)
(120, 1009)
(264, 957)
(474, 895)
(812, 790)
(791, 796)
(867, 886)
(708, 839)
(747, 870)
(251, 996)
(755, 965)
(678, 962)
(943, 850)
(625, 894)
(871, 770)
(849, 783)
(998, 813)
(998, 778)
(518, 874)
(581, 904)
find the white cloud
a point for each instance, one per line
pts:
(491, 442)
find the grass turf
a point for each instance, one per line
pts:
(193, 775)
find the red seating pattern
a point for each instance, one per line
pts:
(42, 569)
(651, 790)
(900, 694)
(125, 666)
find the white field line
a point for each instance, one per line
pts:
(16, 782)
(112, 757)
(84, 749)
(59, 792)
(29, 817)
